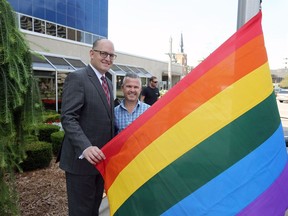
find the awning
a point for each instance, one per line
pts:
(121, 70)
(46, 62)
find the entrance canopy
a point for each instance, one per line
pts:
(119, 70)
(45, 62)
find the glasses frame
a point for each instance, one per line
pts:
(104, 54)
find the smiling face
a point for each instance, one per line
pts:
(131, 89)
(101, 49)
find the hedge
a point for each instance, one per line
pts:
(39, 155)
(56, 139)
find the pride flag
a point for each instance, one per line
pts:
(213, 145)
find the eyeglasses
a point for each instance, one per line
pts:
(155, 81)
(105, 54)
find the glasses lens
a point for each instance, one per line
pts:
(105, 54)
(155, 81)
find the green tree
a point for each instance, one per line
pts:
(20, 105)
(284, 83)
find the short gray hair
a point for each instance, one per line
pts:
(133, 76)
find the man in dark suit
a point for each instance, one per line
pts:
(87, 119)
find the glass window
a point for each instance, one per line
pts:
(95, 37)
(50, 29)
(117, 70)
(46, 85)
(61, 18)
(80, 36)
(124, 68)
(76, 63)
(71, 21)
(25, 7)
(60, 63)
(26, 23)
(39, 26)
(88, 38)
(71, 10)
(71, 34)
(119, 81)
(135, 70)
(38, 61)
(50, 15)
(61, 31)
(38, 10)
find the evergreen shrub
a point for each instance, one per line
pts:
(45, 131)
(39, 155)
(56, 139)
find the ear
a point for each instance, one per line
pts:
(91, 54)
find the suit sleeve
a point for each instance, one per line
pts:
(72, 103)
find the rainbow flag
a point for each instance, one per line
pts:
(213, 145)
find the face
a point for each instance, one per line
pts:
(154, 83)
(131, 89)
(97, 55)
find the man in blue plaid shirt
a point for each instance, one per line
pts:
(130, 107)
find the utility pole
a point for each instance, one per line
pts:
(246, 10)
(171, 59)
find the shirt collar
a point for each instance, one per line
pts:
(98, 74)
(122, 105)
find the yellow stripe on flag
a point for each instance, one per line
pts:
(232, 102)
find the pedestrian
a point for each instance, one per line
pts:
(130, 107)
(87, 117)
(150, 94)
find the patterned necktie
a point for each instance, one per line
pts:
(106, 89)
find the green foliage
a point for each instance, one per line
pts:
(20, 107)
(51, 116)
(45, 131)
(56, 139)
(39, 155)
(284, 83)
(8, 195)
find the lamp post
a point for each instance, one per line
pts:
(246, 10)
(171, 59)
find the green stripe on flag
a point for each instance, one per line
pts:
(204, 162)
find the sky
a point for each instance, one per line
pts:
(144, 27)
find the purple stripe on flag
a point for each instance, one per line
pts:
(241, 184)
(274, 201)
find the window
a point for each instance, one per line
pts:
(50, 29)
(88, 38)
(61, 31)
(71, 34)
(26, 23)
(39, 26)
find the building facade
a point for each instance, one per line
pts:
(60, 34)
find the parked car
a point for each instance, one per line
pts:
(282, 95)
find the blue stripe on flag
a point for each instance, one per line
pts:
(227, 193)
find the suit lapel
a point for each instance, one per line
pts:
(95, 81)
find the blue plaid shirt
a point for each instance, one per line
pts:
(123, 118)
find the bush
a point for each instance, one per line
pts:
(30, 138)
(56, 139)
(51, 116)
(45, 131)
(39, 155)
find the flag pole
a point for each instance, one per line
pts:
(246, 10)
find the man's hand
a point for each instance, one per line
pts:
(93, 154)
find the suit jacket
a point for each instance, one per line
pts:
(86, 117)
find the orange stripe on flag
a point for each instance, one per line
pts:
(216, 79)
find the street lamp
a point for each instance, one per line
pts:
(171, 60)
